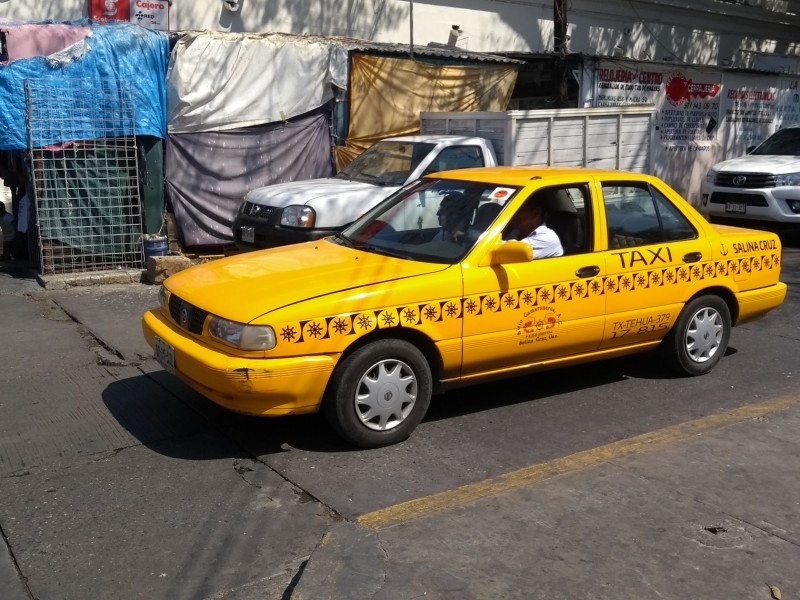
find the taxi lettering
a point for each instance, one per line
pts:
(754, 246)
(644, 258)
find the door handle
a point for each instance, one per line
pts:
(692, 257)
(585, 272)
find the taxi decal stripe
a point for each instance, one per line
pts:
(439, 311)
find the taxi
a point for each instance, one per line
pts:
(431, 290)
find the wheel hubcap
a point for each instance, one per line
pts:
(386, 394)
(704, 335)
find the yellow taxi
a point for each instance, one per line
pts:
(436, 288)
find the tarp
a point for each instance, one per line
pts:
(119, 52)
(209, 173)
(219, 81)
(29, 40)
(388, 94)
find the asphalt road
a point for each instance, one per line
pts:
(118, 481)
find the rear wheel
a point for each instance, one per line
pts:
(700, 337)
(379, 393)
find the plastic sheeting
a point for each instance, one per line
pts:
(27, 41)
(120, 52)
(219, 81)
(209, 173)
(388, 94)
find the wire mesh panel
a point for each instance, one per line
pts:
(84, 165)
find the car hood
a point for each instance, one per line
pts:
(247, 286)
(336, 202)
(767, 163)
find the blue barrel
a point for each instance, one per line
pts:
(155, 245)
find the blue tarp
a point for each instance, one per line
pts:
(115, 55)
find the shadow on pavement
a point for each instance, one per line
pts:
(159, 410)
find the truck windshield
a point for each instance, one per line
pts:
(784, 142)
(431, 220)
(386, 163)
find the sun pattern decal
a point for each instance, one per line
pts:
(523, 299)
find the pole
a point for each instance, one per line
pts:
(560, 50)
(411, 28)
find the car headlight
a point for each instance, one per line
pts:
(239, 335)
(162, 297)
(711, 176)
(788, 179)
(298, 216)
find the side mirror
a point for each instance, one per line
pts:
(509, 253)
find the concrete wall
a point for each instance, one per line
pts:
(703, 32)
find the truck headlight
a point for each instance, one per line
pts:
(239, 335)
(298, 216)
(711, 176)
(162, 297)
(788, 179)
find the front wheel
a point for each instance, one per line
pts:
(700, 337)
(379, 393)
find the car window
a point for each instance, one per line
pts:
(387, 162)
(638, 215)
(432, 220)
(567, 211)
(456, 157)
(784, 142)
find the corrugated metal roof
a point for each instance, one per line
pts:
(432, 50)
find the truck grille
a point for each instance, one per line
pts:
(749, 199)
(187, 315)
(745, 180)
(256, 210)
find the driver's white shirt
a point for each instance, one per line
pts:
(545, 242)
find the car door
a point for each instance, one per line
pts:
(515, 315)
(654, 258)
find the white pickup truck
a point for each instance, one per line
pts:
(300, 211)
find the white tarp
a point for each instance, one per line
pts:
(219, 81)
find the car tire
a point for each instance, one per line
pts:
(699, 338)
(379, 393)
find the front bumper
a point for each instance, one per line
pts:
(271, 235)
(253, 386)
(724, 204)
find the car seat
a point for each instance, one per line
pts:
(569, 228)
(484, 216)
(455, 212)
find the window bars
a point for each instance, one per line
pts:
(85, 175)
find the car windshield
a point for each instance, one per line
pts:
(785, 142)
(432, 220)
(386, 163)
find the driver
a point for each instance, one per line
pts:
(527, 225)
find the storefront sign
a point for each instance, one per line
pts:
(106, 11)
(151, 13)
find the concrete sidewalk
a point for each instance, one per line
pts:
(709, 515)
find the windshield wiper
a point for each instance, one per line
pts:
(343, 240)
(383, 251)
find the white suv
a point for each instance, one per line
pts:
(763, 185)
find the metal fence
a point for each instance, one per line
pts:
(87, 210)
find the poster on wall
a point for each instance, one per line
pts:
(684, 141)
(153, 14)
(106, 11)
(749, 107)
(788, 101)
(687, 99)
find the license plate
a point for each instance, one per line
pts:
(165, 355)
(248, 234)
(736, 207)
